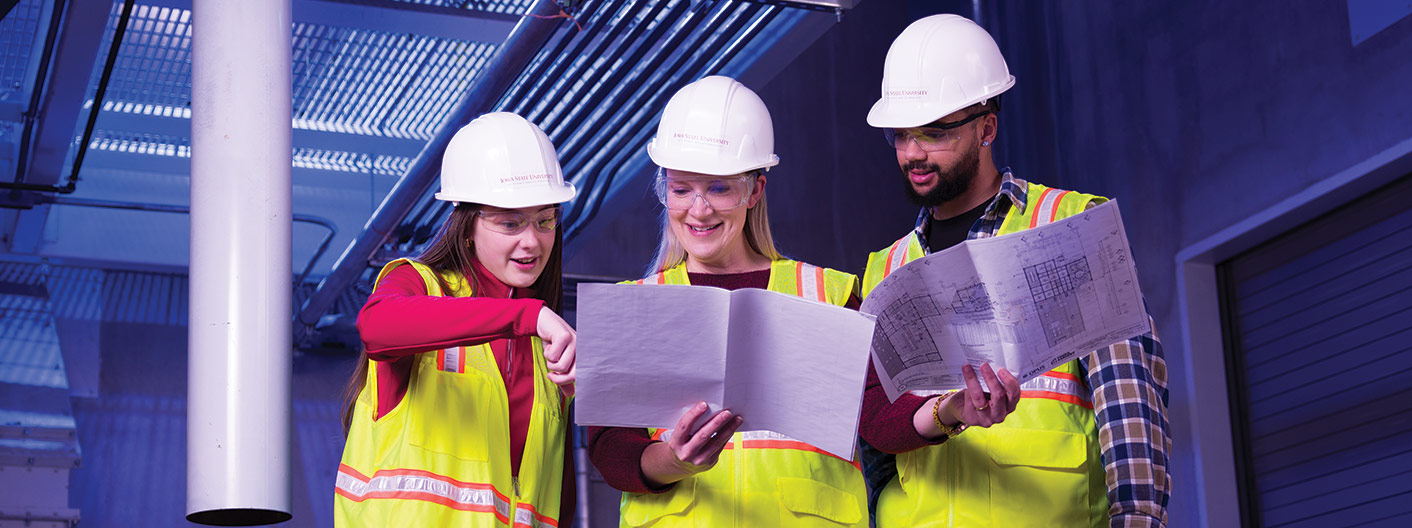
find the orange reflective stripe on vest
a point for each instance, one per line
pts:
(1059, 386)
(1048, 207)
(897, 256)
(810, 281)
(451, 360)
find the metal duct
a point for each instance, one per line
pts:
(238, 415)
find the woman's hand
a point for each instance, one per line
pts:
(558, 338)
(685, 453)
(973, 407)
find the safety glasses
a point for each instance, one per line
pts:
(515, 222)
(722, 194)
(944, 136)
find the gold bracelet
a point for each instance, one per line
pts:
(946, 430)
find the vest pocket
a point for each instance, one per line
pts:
(1039, 472)
(448, 417)
(809, 502)
(660, 509)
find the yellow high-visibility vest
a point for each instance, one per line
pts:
(1041, 467)
(763, 478)
(441, 457)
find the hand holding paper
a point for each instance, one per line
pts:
(648, 353)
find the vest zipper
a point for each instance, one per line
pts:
(510, 364)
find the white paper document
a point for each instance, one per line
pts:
(647, 353)
(1028, 301)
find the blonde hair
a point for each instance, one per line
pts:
(670, 253)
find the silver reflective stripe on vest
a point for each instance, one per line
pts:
(898, 256)
(765, 435)
(425, 486)
(451, 359)
(526, 517)
(1050, 385)
(1057, 386)
(1048, 206)
(809, 277)
(929, 392)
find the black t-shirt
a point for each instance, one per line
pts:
(943, 234)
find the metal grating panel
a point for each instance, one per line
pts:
(149, 298)
(18, 31)
(509, 7)
(339, 161)
(346, 80)
(76, 293)
(29, 342)
(140, 143)
(152, 74)
(378, 83)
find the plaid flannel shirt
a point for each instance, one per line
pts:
(1129, 384)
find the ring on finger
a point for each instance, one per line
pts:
(983, 407)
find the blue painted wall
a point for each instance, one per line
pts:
(1197, 116)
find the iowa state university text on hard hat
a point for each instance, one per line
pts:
(908, 93)
(704, 140)
(521, 179)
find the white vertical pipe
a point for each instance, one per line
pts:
(240, 349)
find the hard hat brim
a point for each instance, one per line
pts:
(508, 199)
(706, 163)
(885, 114)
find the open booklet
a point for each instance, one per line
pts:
(1027, 302)
(647, 353)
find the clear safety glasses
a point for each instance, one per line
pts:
(515, 222)
(944, 136)
(722, 194)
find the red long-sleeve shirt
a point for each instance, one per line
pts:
(400, 321)
(888, 426)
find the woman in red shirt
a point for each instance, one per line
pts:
(458, 415)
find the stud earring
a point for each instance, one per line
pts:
(985, 143)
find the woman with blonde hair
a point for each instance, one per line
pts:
(714, 143)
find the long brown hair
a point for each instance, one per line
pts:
(451, 252)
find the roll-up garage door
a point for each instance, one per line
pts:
(1318, 332)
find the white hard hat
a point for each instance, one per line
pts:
(501, 159)
(938, 65)
(714, 126)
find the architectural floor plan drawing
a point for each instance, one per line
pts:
(1054, 285)
(1027, 302)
